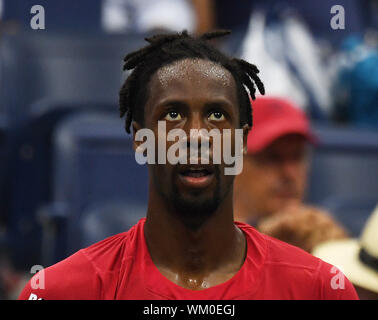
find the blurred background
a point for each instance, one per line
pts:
(68, 176)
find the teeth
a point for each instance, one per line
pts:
(196, 172)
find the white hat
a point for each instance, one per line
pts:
(356, 258)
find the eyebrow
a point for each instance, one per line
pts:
(219, 103)
(216, 103)
(172, 102)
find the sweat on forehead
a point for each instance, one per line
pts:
(192, 78)
(194, 69)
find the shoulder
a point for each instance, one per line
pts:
(325, 280)
(72, 278)
(279, 254)
(90, 273)
(333, 284)
(306, 275)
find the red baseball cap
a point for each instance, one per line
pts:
(273, 118)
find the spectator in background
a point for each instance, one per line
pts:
(294, 43)
(269, 192)
(355, 89)
(293, 67)
(359, 14)
(301, 226)
(356, 258)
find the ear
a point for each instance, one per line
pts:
(136, 126)
(246, 128)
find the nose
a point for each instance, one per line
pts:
(196, 130)
(199, 141)
(195, 121)
(289, 168)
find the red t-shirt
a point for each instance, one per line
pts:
(120, 267)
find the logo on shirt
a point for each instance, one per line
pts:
(34, 297)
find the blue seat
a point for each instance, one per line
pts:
(94, 167)
(63, 67)
(344, 166)
(103, 221)
(25, 180)
(351, 212)
(44, 77)
(3, 138)
(83, 15)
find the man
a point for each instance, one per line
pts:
(188, 246)
(269, 193)
(275, 168)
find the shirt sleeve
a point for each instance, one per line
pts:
(74, 278)
(333, 284)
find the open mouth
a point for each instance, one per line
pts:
(196, 177)
(195, 173)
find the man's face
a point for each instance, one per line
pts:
(276, 177)
(192, 94)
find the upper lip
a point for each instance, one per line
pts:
(194, 167)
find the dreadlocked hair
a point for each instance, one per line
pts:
(164, 49)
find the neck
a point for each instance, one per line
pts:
(217, 243)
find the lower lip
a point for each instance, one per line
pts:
(196, 182)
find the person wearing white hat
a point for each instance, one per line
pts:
(356, 258)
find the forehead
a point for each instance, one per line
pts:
(194, 69)
(287, 144)
(192, 79)
(289, 141)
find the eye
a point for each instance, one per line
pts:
(173, 116)
(216, 116)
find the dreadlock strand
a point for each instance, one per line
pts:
(249, 84)
(215, 34)
(159, 38)
(125, 94)
(252, 71)
(167, 48)
(248, 65)
(129, 118)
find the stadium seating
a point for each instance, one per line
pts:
(352, 212)
(44, 77)
(3, 137)
(106, 220)
(67, 15)
(94, 170)
(61, 67)
(26, 172)
(344, 171)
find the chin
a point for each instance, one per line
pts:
(195, 209)
(196, 204)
